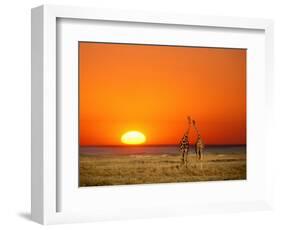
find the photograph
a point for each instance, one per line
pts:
(152, 114)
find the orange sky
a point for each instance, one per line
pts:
(152, 89)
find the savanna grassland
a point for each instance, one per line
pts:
(97, 170)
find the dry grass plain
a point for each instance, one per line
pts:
(98, 170)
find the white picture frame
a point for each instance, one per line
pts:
(56, 201)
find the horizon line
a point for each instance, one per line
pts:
(155, 145)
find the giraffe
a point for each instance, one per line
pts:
(199, 144)
(184, 144)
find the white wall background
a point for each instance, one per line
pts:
(15, 112)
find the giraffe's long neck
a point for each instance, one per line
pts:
(188, 129)
(196, 129)
(199, 138)
(199, 141)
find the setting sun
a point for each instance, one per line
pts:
(133, 138)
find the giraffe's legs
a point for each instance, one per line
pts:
(186, 158)
(200, 153)
(196, 152)
(182, 157)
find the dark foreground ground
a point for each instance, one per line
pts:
(162, 168)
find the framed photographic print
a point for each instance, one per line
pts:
(133, 106)
(140, 114)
